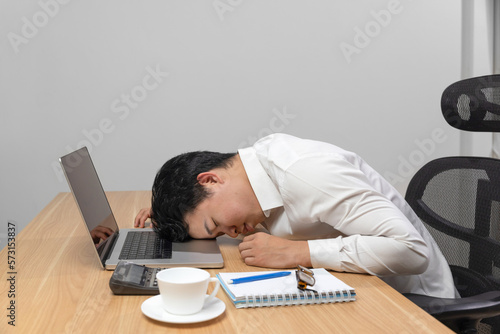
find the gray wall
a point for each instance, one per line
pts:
(140, 81)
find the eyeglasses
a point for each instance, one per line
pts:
(305, 277)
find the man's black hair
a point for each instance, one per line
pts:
(176, 191)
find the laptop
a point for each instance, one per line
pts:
(113, 244)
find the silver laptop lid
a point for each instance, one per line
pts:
(91, 199)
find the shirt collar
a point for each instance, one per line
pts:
(263, 187)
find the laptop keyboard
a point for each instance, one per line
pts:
(145, 245)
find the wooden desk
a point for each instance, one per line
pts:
(60, 288)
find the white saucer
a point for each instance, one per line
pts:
(152, 308)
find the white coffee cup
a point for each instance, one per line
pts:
(183, 290)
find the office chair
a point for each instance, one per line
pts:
(458, 199)
(473, 104)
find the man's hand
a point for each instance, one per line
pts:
(100, 232)
(143, 215)
(265, 250)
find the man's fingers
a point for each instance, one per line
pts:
(246, 243)
(101, 235)
(141, 217)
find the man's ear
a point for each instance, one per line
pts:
(209, 178)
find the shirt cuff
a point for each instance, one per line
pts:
(325, 253)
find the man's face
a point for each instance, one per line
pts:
(228, 210)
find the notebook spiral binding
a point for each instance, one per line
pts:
(300, 298)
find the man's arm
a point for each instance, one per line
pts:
(375, 236)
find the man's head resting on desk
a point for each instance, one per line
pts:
(203, 195)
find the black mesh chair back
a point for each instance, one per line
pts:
(458, 199)
(473, 104)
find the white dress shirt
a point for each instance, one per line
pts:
(353, 219)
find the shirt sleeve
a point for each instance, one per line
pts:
(375, 237)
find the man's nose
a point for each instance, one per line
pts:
(232, 231)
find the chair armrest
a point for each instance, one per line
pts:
(476, 307)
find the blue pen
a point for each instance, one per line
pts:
(258, 277)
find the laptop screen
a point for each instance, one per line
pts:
(87, 190)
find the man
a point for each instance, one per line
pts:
(323, 207)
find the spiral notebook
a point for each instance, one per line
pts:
(283, 291)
